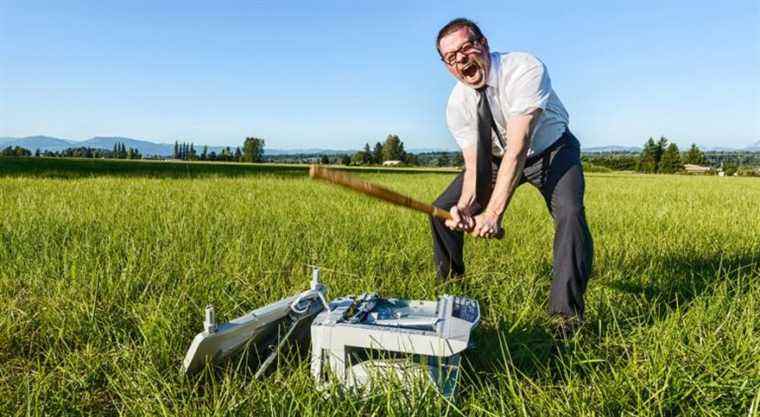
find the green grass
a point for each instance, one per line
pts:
(104, 276)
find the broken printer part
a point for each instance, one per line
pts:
(358, 342)
(268, 328)
(362, 339)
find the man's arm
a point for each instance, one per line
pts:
(519, 129)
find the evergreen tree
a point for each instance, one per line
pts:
(671, 160)
(253, 149)
(659, 150)
(377, 153)
(695, 156)
(345, 159)
(648, 161)
(37, 153)
(370, 157)
(393, 149)
(204, 154)
(238, 154)
(193, 155)
(175, 155)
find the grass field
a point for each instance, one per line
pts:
(104, 277)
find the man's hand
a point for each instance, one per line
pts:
(487, 225)
(461, 219)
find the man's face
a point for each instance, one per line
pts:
(466, 59)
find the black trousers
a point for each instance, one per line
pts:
(558, 174)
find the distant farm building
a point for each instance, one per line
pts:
(391, 163)
(696, 169)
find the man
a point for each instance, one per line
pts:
(511, 126)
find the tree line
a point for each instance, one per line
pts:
(664, 157)
(15, 151)
(660, 156)
(120, 151)
(252, 151)
(186, 151)
(392, 149)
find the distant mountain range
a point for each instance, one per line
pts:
(149, 148)
(47, 143)
(146, 147)
(755, 147)
(611, 148)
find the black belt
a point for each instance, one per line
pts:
(566, 135)
(565, 138)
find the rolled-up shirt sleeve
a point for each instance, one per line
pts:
(528, 87)
(463, 126)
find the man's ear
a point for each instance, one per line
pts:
(484, 42)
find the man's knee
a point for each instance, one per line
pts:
(569, 213)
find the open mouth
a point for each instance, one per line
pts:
(470, 70)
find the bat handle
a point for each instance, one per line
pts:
(440, 213)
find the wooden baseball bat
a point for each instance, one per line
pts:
(374, 190)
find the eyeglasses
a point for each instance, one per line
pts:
(472, 45)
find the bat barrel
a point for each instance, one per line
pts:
(382, 193)
(374, 190)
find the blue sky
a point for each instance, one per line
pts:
(336, 74)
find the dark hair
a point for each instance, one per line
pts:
(453, 26)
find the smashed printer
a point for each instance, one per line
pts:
(357, 342)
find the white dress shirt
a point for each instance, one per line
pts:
(517, 83)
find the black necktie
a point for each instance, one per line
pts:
(483, 169)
